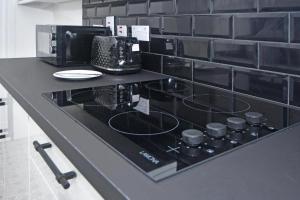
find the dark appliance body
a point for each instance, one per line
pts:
(64, 46)
(167, 126)
(116, 55)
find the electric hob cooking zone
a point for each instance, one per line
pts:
(167, 126)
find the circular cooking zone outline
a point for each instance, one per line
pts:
(245, 106)
(162, 114)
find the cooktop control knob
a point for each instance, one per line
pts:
(236, 123)
(216, 130)
(192, 137)
(254, 118)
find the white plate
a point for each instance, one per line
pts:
(77, 74)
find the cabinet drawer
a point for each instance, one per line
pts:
(79, 188)
(39, 188)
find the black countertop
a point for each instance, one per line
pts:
(268, 169)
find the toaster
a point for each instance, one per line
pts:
(116, 55)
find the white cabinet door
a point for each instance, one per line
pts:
(14, 157)
(79, 188)
(38, 186)
(17, 120)
(14, 167)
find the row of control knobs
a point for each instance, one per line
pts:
(193, 137)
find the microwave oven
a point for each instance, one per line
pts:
(64, 46)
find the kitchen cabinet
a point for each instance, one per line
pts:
(14, 162)
(79, 187)
(31, 177)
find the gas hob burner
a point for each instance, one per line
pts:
(142, 124)
(216, 103)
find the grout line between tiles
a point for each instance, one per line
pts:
(232, 79)
(233, 27)
(193, 68)
(258, 55)
(229, 65)
(288, 90)
(211, 5)
(289, 28)
(295, 45)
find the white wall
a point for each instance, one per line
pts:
(68, 13)
(26, 20)
(2, 27)
(17, 37)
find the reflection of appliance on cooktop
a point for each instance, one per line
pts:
(166, 126)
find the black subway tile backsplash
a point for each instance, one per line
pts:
(97, 22)
(279, 5)
(213, 74)
(236, 53)
(151, 62)
(89, 12)
(103, 11)
(268, 27)
(213, 26)
(86, 22)
(222, 6)
(294, 91)
(85, 1)
(193, 6)
(128, 21)
(177, 67)
(250, 46)
(162, 7)
(96, 1)
(181, 25)
(138, 8)
(191, 48)
(153, 22)
(295, 27)
(118, 9)
(281, 58)
(163, 46)
(144, 46)
(265, 85)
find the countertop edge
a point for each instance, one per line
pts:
(105, 187)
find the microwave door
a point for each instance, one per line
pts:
(78, 48)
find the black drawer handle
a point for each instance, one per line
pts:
(2, 103)
(62, 178)
(2, 136)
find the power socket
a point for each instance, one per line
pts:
(142, 33)
(110, 22)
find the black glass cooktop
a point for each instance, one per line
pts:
(166, 126)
